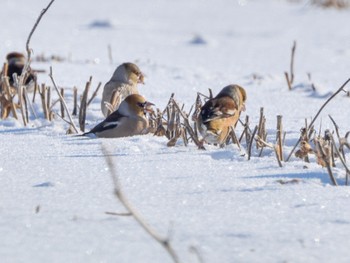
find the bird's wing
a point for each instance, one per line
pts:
(111, 122)
(218, 109)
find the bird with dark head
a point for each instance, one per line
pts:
(129, 120)
(221, 113)
(15, 64)
(124, 81)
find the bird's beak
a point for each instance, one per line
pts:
(148, 107)
(141, 78)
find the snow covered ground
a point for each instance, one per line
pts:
(55, 189)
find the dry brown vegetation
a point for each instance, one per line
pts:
(331, 3)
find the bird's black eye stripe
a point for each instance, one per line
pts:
(142, 105)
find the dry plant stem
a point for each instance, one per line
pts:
(341, 159)
(288, 81)
(292, 62)
(27, 101)
(326, 161)
(318, 113)
(324, 105)
(279, 138)
(26, 66)
(35, 90)
(188, 127)
(118, 214)
(276, 149)
(164, 242)
(75, 99)
(21, 103)
(83, 106)
(94, 94)
(63, 102)
(6, 86)
(43, 101)
(234, 138)
(62, 107)
(338, 135)
(251, 142)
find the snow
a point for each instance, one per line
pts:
(55, 188)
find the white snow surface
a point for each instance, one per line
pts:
(56, 188)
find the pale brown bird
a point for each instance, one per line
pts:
(130, 119)
(124, 81)
(220, 113)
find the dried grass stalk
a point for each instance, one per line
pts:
(75, 101)
(63, 102)
(318, 113)
(83, 106)
(164, 242)
(279, 140)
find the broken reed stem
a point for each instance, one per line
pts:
(341, 159)
(6, 86)
(338, 135)
(188, 126)
(276, 150)
(251, 142)
(63, 102)
(288, 81)
(292, 63)
(94, 94)
(290, 76)
(318, 113)
(21, 103)
(164, 242)
(118, 214)
(62, 107)
(279, 149)
(75, 101)
(43, 101)
(326, 161)
(83, 106)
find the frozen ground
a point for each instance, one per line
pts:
(55, 189)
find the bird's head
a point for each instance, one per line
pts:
(135, 105)
(236, 92)
(129, 73)
(15, 58)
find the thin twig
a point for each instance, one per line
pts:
(63, 102)
(27, 64)
(251, 142)
(341, 159)
(164, 242)
(118, 214)
(326, 161)
(94, 94)
(188, 126)
(318, 113)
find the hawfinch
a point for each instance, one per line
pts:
(221, 113)
(124, 81)
(16, 62)
(130, 119)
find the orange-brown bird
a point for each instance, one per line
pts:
(124, 81)
(220, 113)
(130, 119)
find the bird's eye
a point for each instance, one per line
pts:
(141, 105)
